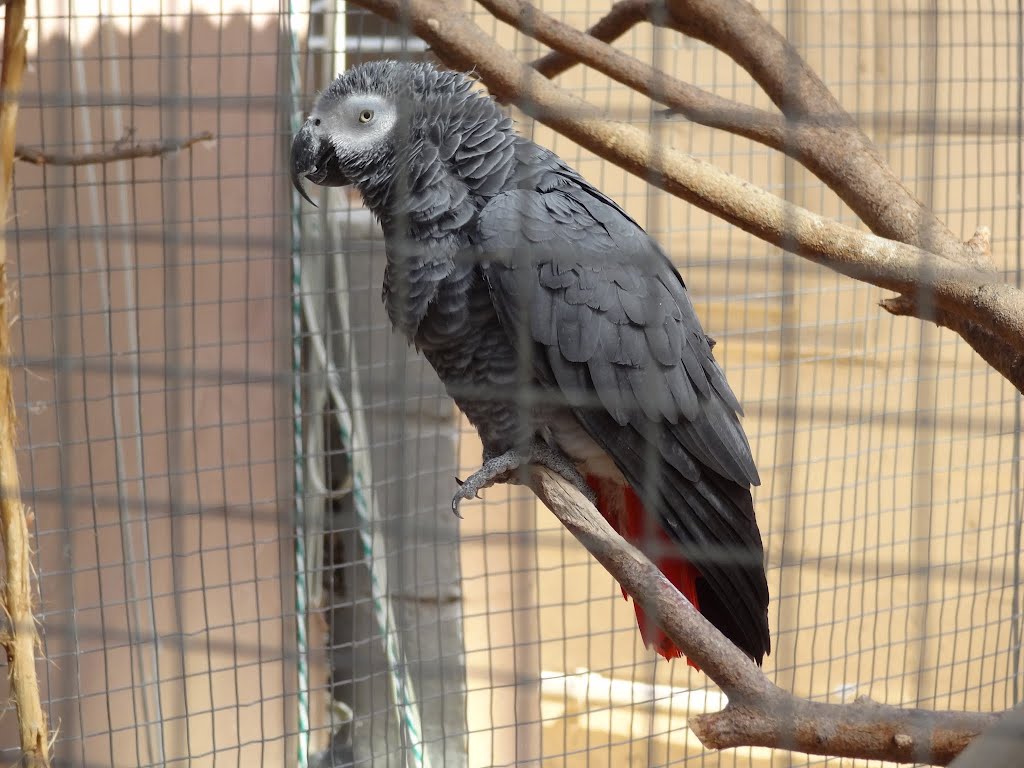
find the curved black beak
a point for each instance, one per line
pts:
(313, 158)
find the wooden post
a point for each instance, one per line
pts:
(20, 640)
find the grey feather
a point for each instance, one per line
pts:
(499, 252)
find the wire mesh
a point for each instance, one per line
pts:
(241, 478)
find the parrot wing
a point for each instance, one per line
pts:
(586, 294)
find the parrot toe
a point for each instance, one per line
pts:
(502, 468)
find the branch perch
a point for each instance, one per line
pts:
(768, 128)
(21, 640)
(815, 130)
(813, 127)
(154, 149)
(999, 745)
(759, 713)
(622, 17)
(976, 298)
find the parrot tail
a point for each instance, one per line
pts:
(623, 509)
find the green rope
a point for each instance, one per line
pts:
(301, 640)
(350, 426)
(401, 685)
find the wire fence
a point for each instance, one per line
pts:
(240, 478)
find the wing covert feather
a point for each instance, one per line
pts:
(617, 339)
(605, 294)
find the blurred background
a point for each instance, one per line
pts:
(240, 479)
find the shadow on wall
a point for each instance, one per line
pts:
(153, 393)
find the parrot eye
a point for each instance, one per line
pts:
(366, 116)
(317, 121)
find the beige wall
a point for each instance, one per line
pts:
(187, 250)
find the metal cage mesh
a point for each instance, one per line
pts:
(219, 442)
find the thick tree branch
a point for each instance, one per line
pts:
(702, 107)
(1007, 360)
(131, 152)
(622, 17)
(1002, 744)
(820, 134)
(19, 640)
(759, 713)
(838, 152)
(956, 289)
(816, 131)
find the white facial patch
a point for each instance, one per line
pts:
(359, 122)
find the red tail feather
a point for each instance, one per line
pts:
(621, 507)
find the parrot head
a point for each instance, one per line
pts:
(372, 122)
(349, 131)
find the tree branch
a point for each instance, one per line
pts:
(956, 289)
(838, 152)
(1000, 745)
(132, 152)
(1007, 360)
(20, 641)
(759, 713)
(623, 16)
(816, 131)
(768, 128)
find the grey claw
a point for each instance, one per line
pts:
(462, 494)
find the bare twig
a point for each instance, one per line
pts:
(958, 289)
(759, 713)
(20, 643)
(623, 16)
(769, 128)
(1007, 360)
(130, 152)
(816, 130)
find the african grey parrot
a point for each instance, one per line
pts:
(556, 323)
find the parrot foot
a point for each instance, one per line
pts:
(502, 469)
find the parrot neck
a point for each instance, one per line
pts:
(459, 153)
(376, 189)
